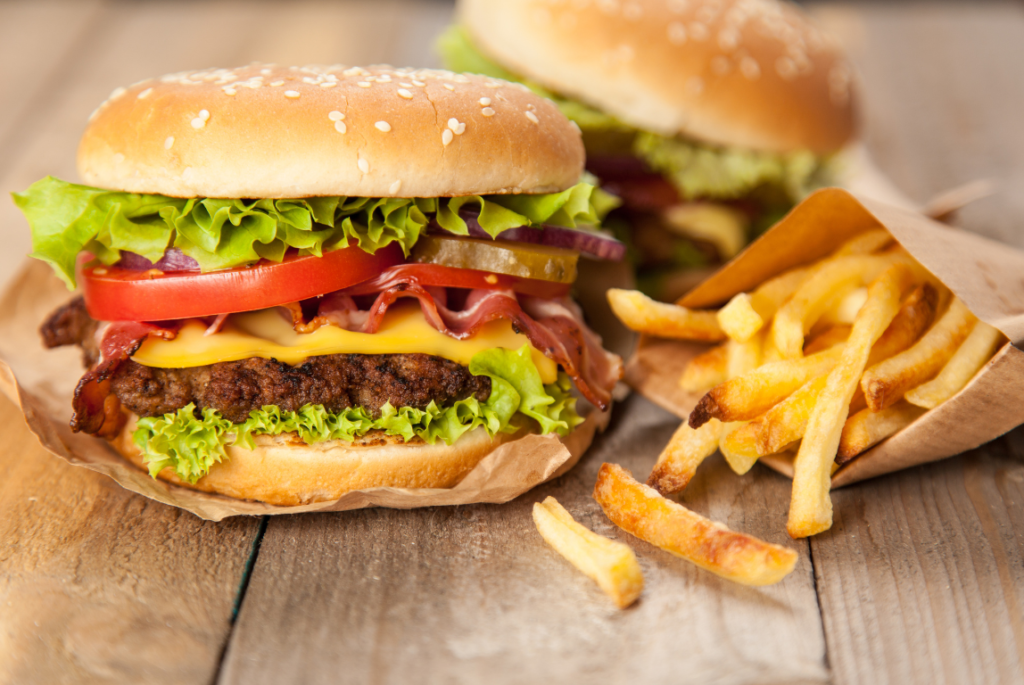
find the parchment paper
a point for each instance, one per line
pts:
(41, 381)
(987, 276)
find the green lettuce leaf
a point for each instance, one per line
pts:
(190, 442)
(66, 218)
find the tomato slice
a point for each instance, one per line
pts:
(451, 277)
(115, 294)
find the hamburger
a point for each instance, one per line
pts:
(709, 118)
(298, 282)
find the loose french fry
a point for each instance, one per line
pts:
(609, 563)
(867, 428)
(643, 315)
(810, 509)
(678, 462)
(786, 422)
(746, 314)
(866, 243)
(915, 315)
(836, 278)
(833, 335)
(641, 511)
(706, 370)
(752, 394)
(739, 446)
(885, 383)
(960, 369)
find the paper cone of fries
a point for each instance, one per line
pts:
(987, 277)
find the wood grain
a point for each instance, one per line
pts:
(473, 594)
(98, 585)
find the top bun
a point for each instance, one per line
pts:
(273, 132)
(750, 73)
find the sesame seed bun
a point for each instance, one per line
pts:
(268, 131)
(750, 73)
(284, 471)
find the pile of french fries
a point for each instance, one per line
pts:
(818, 364)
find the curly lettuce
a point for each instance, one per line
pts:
(67, 218)
(190, 441)
(696, 169)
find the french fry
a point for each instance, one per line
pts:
(833, 335)
(752, 394)
(746, 314)
(786, 421)
(914, 317)
(643, 315)
(810, 509)
(865, 243)
(886, 382)
(706, 370)
(836, 278)
(739, 446)
(867, 428)
(975, 351)
(678, 462)
(609, 563)
(641, 511)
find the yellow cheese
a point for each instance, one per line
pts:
(266, 334)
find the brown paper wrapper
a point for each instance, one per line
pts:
(41, 382)
(987, 276)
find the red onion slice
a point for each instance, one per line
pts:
(173, 260)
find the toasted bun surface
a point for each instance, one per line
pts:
(268, 131)
(750, 73)
(285, 471)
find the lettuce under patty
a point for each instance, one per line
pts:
(66, 219)
(697, 170)
(190, 441)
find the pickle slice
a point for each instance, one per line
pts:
(515, 259)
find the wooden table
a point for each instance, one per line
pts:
(920, 580)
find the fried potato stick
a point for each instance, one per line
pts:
(678, 462)
(827, 338)
(706, 370)
(886, 382)
(960, 369)
(865, 243)
(867, 428)
(739, 446)
(641, 511)
(810, 509)
(643, 315)
(746, 314)
(609, 563)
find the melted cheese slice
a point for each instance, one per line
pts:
(266, 334)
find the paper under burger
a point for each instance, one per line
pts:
(302, 282)
(710, 118)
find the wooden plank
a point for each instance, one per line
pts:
(99, 585)
(922, 578)
(473, 594)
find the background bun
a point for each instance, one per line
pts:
(268, 131)
(751, 73)
(285, 471)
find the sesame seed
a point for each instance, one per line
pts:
(329, 84)
(493, 84)
(532, 117)
(786, 68)
(720, 65)
(449, 86)
(676, 33)
(446, 136)
(230, 91)
(291, 93)
(118, 92)
(402, 92)
(405, 85)
(335, 116)
(275, 84)
(576, 126)
(453, 123)
(340, 127)
(204, 115)
(364, 166)
(145, 94)
(677, 6)
(487, 111)
(750, 68)
(198, 123)
(698, 31)
(418, 84)
(363, 84)
(490, 278)
(484, 102)
(395, 187)
(169, 142)
(383, 126)
(100, 271)
(266, 72)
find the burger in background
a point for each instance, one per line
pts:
(710, 119)
(298, 282)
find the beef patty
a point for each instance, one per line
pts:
(337, 381)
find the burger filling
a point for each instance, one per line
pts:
(698, 203)
(216, 321)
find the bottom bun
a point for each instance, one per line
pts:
(283, 470)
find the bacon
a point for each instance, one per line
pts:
(555, 327)
(97, 410)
